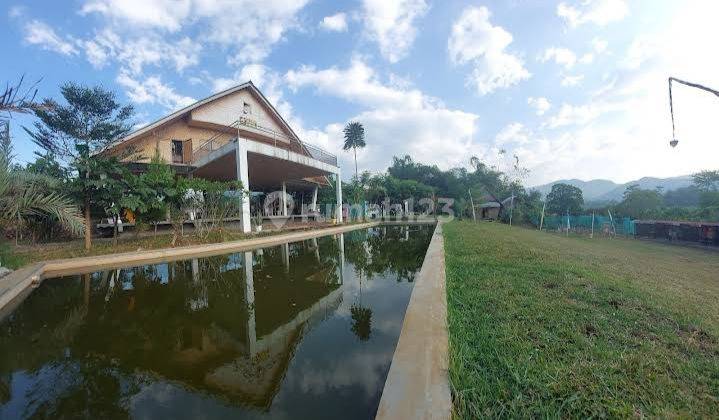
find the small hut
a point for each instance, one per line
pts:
(490, 209)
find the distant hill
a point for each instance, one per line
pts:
(602, 190)
(590, 189)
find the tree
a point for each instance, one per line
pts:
(565, 198)
(707, 180)
(24, 195)
(80, 131)
(48, 165)
(157, 188)
(354, 139)
(19, 99)
(639, 203)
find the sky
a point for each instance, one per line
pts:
(573, 88)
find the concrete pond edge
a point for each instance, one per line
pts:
(417, 386)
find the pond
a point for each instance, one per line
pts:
(301, 330)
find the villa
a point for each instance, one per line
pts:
(237, 134)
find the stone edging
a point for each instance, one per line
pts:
(417, 386)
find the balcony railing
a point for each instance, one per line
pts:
(218, 141)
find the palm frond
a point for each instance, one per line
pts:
(32, 202)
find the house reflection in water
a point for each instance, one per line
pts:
(225, 327)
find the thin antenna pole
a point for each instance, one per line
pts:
(471, 202)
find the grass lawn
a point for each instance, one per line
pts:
(17, 256)
(544, 325)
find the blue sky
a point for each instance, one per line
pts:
(574, 88)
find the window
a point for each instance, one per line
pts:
(177, 151)
(246, 108)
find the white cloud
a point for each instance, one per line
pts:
(475, 40)
(587, 58)
(568, 80)
(541, 105)
(391, 25)
(515, 133)
(562, 56)
(397, 121)
(599, 45)
(358, 83)
(598, 12)
(248, 28)
(136, 53)
(573, 115)
(39, 33)
(336, 23)
(152, 91)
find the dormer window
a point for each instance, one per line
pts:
(246, 109)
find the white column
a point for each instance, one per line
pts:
(250, 301)
(243, 176)
(339, 197)
(317, 249)
(285, 251)
(341, 240)
(284, 199)
(314, 198)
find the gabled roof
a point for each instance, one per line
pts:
(177, 114)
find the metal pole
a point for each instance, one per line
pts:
(541, 220)
(591, 235)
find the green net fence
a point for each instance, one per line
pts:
(602, 224)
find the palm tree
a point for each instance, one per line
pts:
(24, 195)
(354, 138)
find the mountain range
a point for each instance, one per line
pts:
(602, 190)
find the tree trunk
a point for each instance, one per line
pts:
(88, 225)
(115, 219)
(356, 173)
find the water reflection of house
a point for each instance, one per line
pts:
(227, 326)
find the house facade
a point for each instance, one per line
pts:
(237, 134)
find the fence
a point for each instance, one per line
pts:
(602, 224)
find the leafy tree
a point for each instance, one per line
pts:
(80, 132)
(48, 165)
(707, 180)
(640, 203)
(157, 188)
(682, 197)
(565, 198)
(709, 199)
(354, 139)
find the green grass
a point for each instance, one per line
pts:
(547, 326)
(18, 256)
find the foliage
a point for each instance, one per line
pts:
(682, 197)
(25, 196)
(213, 201)
(19, 99)
(354, 139)
(707, 180)
(639, 203)
(80, 132)
(48, 165)
(564, 198)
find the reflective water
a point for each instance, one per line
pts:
(302, 330)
